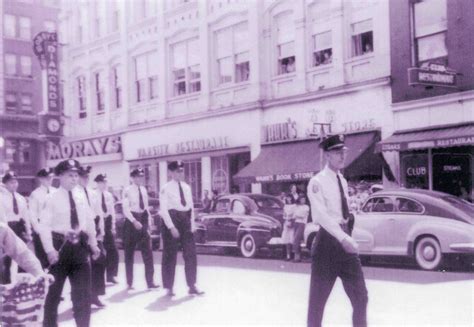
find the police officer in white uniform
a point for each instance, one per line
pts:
(334, 251)
(136, 229)
(37, 201)
(107, 211)
(68, 236)
(17, 216)
(177, 210)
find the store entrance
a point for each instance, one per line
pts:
(452, 173)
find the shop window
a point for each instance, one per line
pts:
(378, 204)
(11, 102)
(9, 26)
(362, 38)
(25, 64)
(10, 64)
(192, 176)
(26, 102)
(232, 51)
(99, 93)
(25, 28)
(430, 29)
(414, 168)
(81, 96)
(322, 49)
(25, 152)
(285, 43)
(452, 173)
(408, 206)
(220, 174)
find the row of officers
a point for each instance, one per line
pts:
(72, 229)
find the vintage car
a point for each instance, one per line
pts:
(244, 221)
(154, 204)
(422, 224)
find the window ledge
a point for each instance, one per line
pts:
(19, 77)
(320, 68)
(284, 76)
(360, 58)
(229, 86)
(184, 96)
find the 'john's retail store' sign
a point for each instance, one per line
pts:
(284, 177)
(200, 145)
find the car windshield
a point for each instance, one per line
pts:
(463, 205)
(268, 203)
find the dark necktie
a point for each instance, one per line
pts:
(344, 205)
(47, 190)
(74, 217)
(15, 204)
(87, 196)
(181, 195)
(140, 198)
(104, 207)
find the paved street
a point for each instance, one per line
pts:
(271, 292)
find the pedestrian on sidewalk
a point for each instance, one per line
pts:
(334, 252)
(136, 230)
(300, 215)
(177, 210)
(288, 234)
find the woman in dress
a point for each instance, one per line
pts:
(287, 235)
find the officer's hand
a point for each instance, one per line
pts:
(349, 245)
(174, 232)
(95, 252)
(53, 257)
(48, 278)
(28, 237)
(137, 225)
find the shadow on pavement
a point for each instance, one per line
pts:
(66, 315)
(124, 295)
(164, 302)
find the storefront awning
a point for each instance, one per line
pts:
(442, 137)
(295, 161)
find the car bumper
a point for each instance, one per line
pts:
(462, 247)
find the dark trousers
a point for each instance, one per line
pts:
(112, 255)
(19, 229)
(329, 262)
(98, 273)
(182, 222)
(133, 238)
(299, 236)
(73, 264)
(39, 250)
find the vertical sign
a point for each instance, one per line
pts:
(45, 46)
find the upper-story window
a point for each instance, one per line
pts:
(430, 28)
(26, 102)
(25, 64)
(10, 64)
(285, 43)
(117, 85)
(11, 101)
(362, 38)
(115, 17)
(9, 26)
(25, 28)
(322, 48)
(232, 49)
(186, 73)
(99, 92)
(146, 77)
(81, 96)
(49, 26)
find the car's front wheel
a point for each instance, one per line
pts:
(428, 253)
(248, 247)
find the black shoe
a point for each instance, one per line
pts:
(98, 303)
(112, 280)
(195, 291)
(170, 292)
(152, 286)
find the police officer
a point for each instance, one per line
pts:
(136, 229)
(177, 210)
(17, 216)
(107, 211)
(334, 251)
(68, 235)
(98, 264)
(37, 201)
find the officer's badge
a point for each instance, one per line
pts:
(315, 188)
(71, 162)
(341, 138)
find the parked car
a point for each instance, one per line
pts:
(244, 221)
(422, 224)
(154, 204)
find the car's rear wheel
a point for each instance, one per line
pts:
(428, 254)
(248, 247)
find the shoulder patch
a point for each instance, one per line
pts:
(315, 188)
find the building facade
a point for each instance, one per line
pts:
(217, 83)
(23, 90)
(433, 95)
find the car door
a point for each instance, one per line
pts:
(215, 220)
(377, 220)
(408, 213)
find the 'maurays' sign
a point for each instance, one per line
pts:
(85, 148)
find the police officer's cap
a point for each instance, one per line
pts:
(100, 178)
(45, 172)
(333, 142)
(10, 175)
(85, 171)
(175, 165)
(137, 172)
(67, 165)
